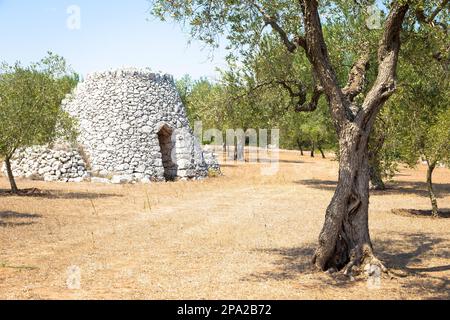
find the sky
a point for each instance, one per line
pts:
(109, 34)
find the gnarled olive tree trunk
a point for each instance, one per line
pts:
(321, 151)
(376, 179)
(300, 146)
(345, 240)
(432, 195)
(10, 174)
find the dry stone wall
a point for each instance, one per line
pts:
(50, 164)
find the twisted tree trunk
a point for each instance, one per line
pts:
(375, 177)
(300, 147)
(345, 241)
(321, 151)
(434, 204)
(11, 179)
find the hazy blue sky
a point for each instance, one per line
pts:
(113, 33)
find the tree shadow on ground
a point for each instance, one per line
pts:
(268, 160)
(233, 163)
(18, 219)
(410, 254)
(392, 188)
(393, 252)
(292, 161)
(55, 194)
(416, 249)
(293, 262)
(414, 213)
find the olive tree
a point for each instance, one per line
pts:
(30, 106)
(437, 150)
(421, 112)
(344, 242)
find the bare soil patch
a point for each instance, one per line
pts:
(240, 236)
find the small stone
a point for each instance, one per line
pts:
(125, 126)
(146, 129)
(100, 180)
(145, 180)
(50, 178)
(140, 169)
(121, 179)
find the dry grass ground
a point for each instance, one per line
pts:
(241, 236)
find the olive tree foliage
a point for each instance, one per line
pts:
(354, 103)
(422, 94)
(383, 152)
(421, 107)
(215, 104)
(203, 101)
(257, 95)
(30, 106)
(274, 80)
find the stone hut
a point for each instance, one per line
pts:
(133, 127)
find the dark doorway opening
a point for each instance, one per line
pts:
(166, 144)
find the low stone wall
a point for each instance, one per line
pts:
(42, 163)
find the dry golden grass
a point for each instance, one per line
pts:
(240, 236)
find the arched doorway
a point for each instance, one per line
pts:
(166, 145)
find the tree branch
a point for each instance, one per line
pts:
(286, 84)
(312, 105)
(388, 51)
(272, 21)
(438, 10)
(301, 104)
(317, 54)
(357, 77)
(420, 14)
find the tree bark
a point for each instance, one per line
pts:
(344, 242)
(434, 204)
(313, 148)
(12, 181)
(321, 151)
(300, 147)
(375, 178)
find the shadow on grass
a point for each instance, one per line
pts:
(291, 161)
(293, 262)
(268, 160)
(53, 194)
(418, 249)
(414, 213)
(392, 188)
(412, 249)
(233, 163)
(421, 247)
(24, 219)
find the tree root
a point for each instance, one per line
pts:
(364, 261)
